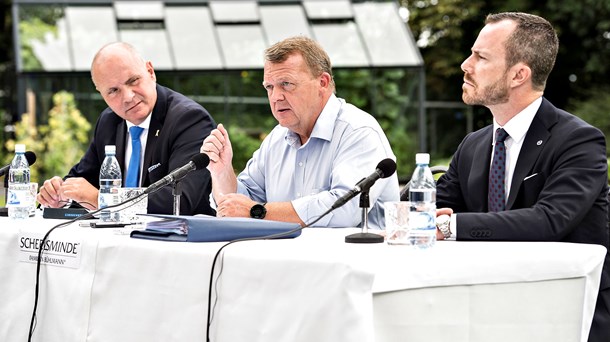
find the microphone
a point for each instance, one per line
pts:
(385, 169)
(29, 155)
(197, 162)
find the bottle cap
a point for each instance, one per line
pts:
(19, 148)
(422, 158)
(110, 149)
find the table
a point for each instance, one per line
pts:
(312, 288)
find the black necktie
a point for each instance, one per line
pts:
(496, 194)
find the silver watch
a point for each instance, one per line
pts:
(442, 223)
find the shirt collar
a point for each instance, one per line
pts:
(325, 124)
(517, 126)
(144, 124)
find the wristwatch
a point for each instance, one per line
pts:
(442, 223)
(258, 211)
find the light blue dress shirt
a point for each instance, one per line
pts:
(346, 145)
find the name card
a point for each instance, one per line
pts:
(56, 252)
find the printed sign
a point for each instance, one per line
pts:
(56, 252)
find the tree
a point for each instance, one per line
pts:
(62, 142)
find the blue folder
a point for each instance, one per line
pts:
(214, 229)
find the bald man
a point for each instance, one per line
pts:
(173, 128)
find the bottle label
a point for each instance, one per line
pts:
(421, 220)
(18, 198)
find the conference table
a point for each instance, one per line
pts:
(102, 285)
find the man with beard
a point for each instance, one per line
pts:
(538, 173)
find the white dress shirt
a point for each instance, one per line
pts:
(345, 145)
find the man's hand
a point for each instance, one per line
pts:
(55, 192)
(49, 193)
(218, 147)
(234, 205)
(80, 190)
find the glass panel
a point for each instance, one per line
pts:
(142, 10)
(280, 22)
(43, 39)
(342, 43)
(328, 9)
(152, 44)
(242, 46)
(90, 29)
(234, 11)
(192, 38)
(387, 38)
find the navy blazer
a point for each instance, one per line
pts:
(178, 126)
(558, 192)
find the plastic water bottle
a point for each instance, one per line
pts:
(19, 198)
(422, 194)
(110, 183)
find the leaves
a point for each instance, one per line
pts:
(62, 141)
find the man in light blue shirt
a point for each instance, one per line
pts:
(321, 148)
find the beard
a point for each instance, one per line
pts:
(493, 94)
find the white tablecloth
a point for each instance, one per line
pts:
(312, 288)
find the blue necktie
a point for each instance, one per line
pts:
(133, 172)
(496, 195)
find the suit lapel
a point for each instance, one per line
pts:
(479, 175)
(153, 136)
(533, 143)
(154, 130)
(121, 136)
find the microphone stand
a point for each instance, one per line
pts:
(364, 236)
(177, 191)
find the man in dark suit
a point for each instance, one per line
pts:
(172, 130)
(538, 173)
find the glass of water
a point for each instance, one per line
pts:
(397, 222)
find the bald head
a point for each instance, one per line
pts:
(115, 51)
(125, 80)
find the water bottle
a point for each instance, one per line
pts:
(19, 197)
(110, 183)
(422, 195)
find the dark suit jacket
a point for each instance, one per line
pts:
(177, 128)
(558, 192)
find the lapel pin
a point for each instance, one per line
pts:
(539, 142)
(157, 134)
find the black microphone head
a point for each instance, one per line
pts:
(31, 157)
(200, 160)
(387, 167)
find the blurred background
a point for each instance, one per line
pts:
(398, 60)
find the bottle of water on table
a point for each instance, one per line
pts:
(422, 195)
(19, 198)
(110, 183)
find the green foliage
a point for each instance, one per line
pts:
(35, 23)
(244, 145)
(594, 109)
(62, 141)
(389, 97)
(441, 29)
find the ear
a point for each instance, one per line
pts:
(325, 80)
(521, 74)
(151, 70)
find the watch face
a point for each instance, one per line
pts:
(258, 211)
